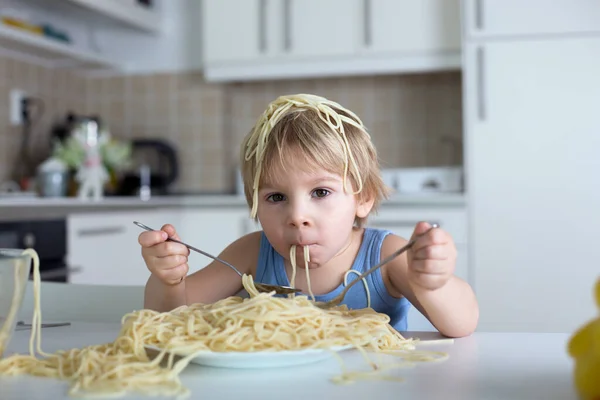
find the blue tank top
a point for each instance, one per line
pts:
(271, 270)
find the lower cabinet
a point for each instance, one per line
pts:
(104, 244)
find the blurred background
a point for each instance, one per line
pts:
(196, 76)
(483, 113)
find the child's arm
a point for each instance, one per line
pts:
(425, 276)
(167, 261)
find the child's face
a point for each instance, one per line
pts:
(308, 209)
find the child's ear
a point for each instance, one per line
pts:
(364, 206)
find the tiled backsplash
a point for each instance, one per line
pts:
(59, 90)
(413, 119)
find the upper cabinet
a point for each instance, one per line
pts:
(422, 26)
(267, 29)
(240, 37)
(271, 39)
(487, 18)
(320, 28)
(242, 40)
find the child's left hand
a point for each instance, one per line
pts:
(432, 259)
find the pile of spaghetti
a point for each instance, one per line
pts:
(261, 322)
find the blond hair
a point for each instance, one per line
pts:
(325, 133)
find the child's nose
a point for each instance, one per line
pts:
(298, 220)
(299, 217)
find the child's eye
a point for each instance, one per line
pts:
(321, 192)
(276, 197)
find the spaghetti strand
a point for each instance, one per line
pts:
(260, 323)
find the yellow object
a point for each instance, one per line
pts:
(22, 25)
(584, 348)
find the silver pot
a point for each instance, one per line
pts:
(52, 183)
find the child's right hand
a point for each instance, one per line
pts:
(166, 260)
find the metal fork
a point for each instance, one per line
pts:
(261, 287)
(21, 325)
(338, 299)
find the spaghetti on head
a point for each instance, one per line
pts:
(261, 322)
(320, 131)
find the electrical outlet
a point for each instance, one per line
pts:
(16, 106)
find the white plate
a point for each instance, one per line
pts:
(263, 359)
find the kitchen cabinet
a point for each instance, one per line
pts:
(267, 29)
(279, 39)
(239, 35)
(104, 245)
(240, 40)
(532, 136)
(425, 26)
(211, 230)
(489, 18)
(321, 28)
(277, 29)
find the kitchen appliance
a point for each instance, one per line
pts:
(63, 129)
(47, 237)
(155, 167)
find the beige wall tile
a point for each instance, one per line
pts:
(410, 117)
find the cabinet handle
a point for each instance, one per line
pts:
(367, 22)
(481, 108)
(287, 19)
(479, 14)
(262, 26)
(108, 230)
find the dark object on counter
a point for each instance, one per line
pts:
(48, 238)
(65, 128)
(160, 158)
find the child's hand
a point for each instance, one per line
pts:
(165, 260)
(432, 259)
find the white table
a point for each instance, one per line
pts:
(485, 366)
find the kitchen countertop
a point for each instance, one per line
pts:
(453, 199)
(15, 208)
(484, 366)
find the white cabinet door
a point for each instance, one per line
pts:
(532, 140)
(101, 244)
(210, 230)
(314, 28)
(531, 17)
(423, 26)
(234, 30)
(105, 245)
